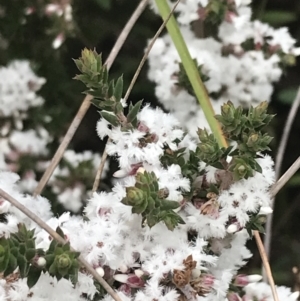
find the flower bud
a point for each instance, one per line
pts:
(140, 170)
(196, 273)
(100, 271)
(265, 210)
(123, 268)
(243, 280)
(41, 262)
(63, 261)
(232, 228)
(233, 297)
(121, 278)
(139, 273)
(121, 173)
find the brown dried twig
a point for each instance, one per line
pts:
(274, 190)
(132, 83)
(58, 238)
(87, 100)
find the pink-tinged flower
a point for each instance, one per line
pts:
(125, 289)
(210, 208)
(57, 42)
(207, 280)
(29, 10)
(121, 173)
(233, 297)
(234, 227)
(243, 280)
(202, 13)
(142, 127)
(131, 280)
(104, 212)
(51, 9)
(229, 16)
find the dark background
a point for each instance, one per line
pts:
(98, 24)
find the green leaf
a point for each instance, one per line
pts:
(112, 119)
(30, 253)
(279, 17)
(49, 259)
(52, 246)
(134, 111)
(23, 265)
(60, 232)
(33, 276)
(22, 248)
(118, 89)
(169, 205)
(12, 265)
(30, 244)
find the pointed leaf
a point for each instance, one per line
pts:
(112, 119)
(33, 276)
(30, 253)
(118, 89)
(60, 232)
(23, 265)
(169, 205)
(134, 111)
(12, 265)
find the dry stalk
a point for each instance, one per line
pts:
(286, 133)
(266, 264)
(273, 191)
(278, 161)
(87, 100)
(132, 83)
(58, 238)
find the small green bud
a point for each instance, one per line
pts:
(241, 169)
(225, 109)
(135, 194)
(63, 261)
(261, 108)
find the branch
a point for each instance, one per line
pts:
(125, 32)
(87, 100)
(286, 133)
(58, 238)
(132, 83)
(274, 190)
(148, 49)
(266, 264)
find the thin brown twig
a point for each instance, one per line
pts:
(273, 191)
(64, 144)
(132, 83)
(101, 167)
(143, 60)
(285, 177)
(87, 100)
(125, 32)
(286, 133)
(278, 162)
(58, 238)
(266, 264)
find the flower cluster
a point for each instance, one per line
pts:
(25, 149)
(238, 59)
(173, 227)
(175, 224)
(60, 15)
